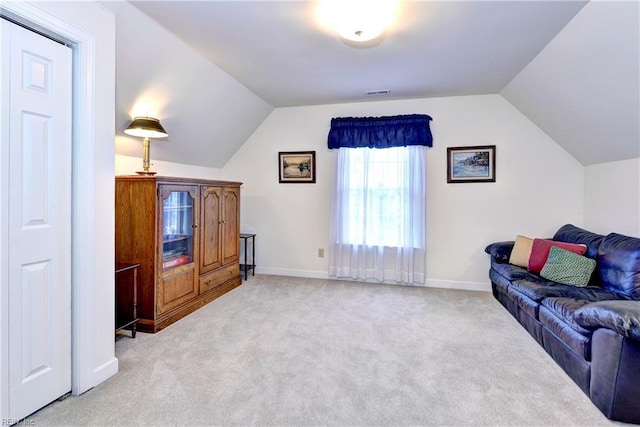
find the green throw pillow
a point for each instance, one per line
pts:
(569, 268)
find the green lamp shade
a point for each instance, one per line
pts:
(146, 127)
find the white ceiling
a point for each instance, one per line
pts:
(583, 89)
(213, 70)
(279, 51)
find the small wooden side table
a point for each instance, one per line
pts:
(246, 267)
(127, 296)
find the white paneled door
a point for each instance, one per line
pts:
(38, 211)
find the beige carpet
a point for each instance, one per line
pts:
(299, 352)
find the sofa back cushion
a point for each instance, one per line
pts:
(572, 234)
(618, 264)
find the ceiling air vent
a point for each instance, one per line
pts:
(378, 92)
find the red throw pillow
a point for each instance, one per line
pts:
(540, 252)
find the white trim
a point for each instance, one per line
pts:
(105, 371)
(291, 272)
(83, 224)
(83, 184)
(4, 234)
(431, 283)
(459, 285)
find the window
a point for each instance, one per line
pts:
(378, 199)
(376, 193)
(378, 212)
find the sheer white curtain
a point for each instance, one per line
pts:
(378, 214)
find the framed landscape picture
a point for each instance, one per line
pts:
(471, 164)
(297, 166)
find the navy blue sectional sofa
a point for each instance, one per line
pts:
(592, 332)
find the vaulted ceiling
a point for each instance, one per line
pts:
(583, 88)
(572, 67)
(280, 50)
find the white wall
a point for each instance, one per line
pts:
(612, 197)
(539, 186)
(128, 165)
(207, 113)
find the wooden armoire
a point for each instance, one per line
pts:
(184, 233)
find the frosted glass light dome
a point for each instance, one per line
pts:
(359, 20)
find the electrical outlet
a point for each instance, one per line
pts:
(320, 252)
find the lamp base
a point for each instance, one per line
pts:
(148, 173)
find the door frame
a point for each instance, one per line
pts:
(83, 253)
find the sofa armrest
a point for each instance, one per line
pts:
(622, 317)
(500, 251)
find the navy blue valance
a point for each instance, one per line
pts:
(380, 132)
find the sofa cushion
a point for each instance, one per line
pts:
(540, 288)
(559, 316)
(542, 247)
(580, 343)
(521, 251)
(528, 305)
(572, 234)
(619, 264)
(622, 317)
(566, 267)
(565, 309)
(513, 272)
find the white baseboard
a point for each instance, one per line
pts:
(293, 273)
(105, 371)
(456, 284)
(430, 283)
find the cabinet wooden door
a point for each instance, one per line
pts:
(178, 246)
(210, 229)
(231, 225)
(220, 228)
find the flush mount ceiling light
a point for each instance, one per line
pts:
(358, 20)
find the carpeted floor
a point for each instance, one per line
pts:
(298, 352)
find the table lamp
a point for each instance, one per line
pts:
(146, 127)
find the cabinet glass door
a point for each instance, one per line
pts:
(177, 229)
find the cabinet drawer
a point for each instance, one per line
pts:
(218, 277)
(176, 288)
